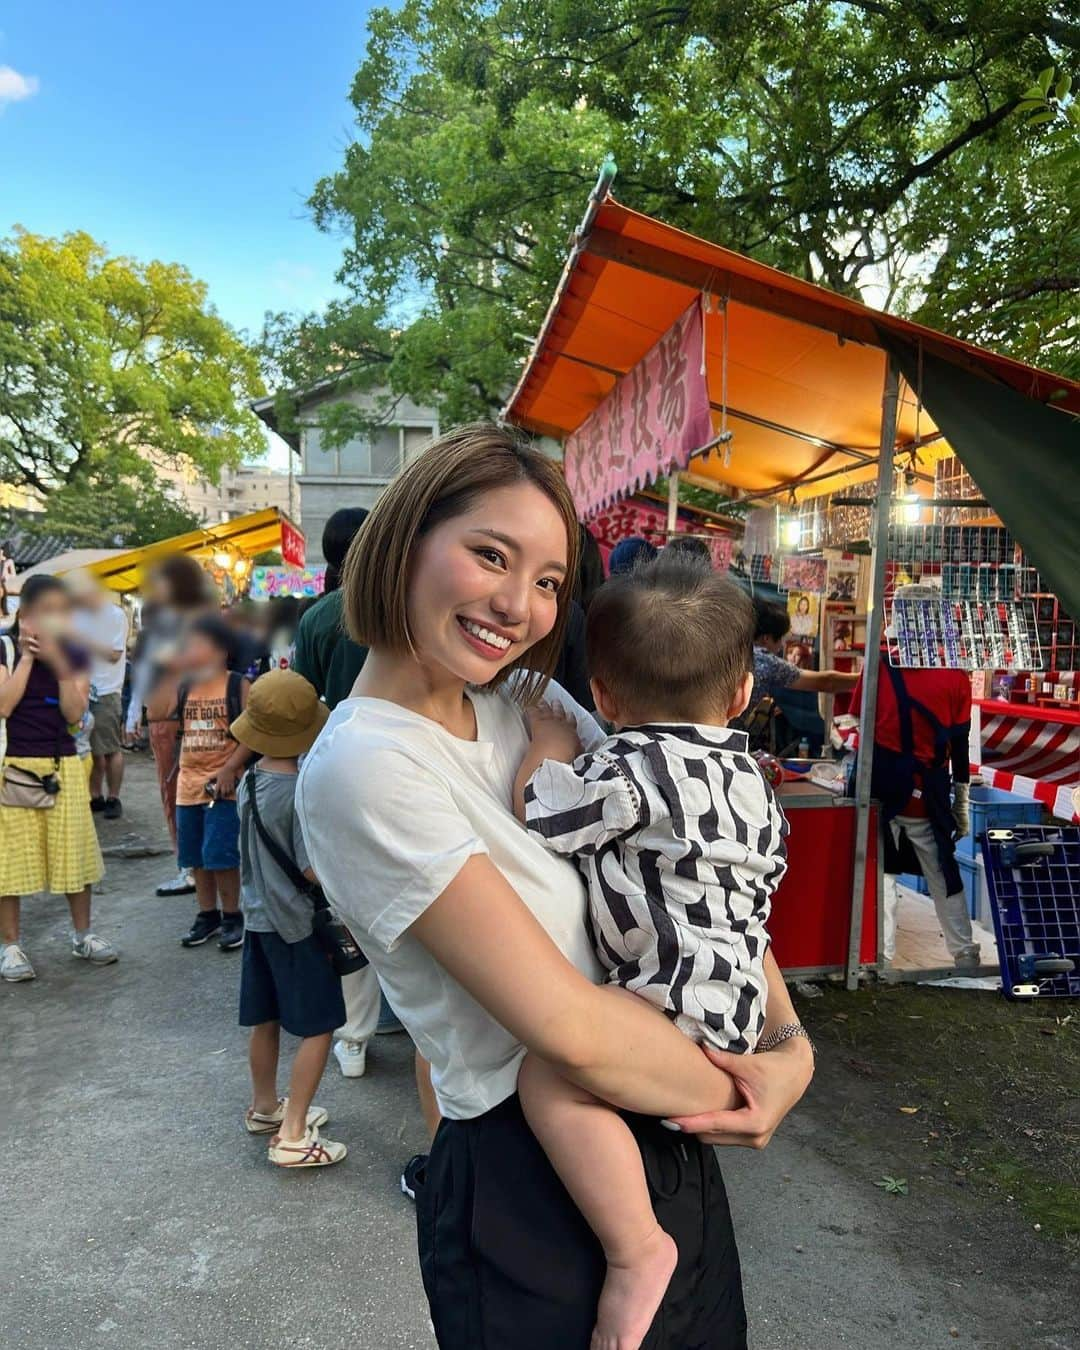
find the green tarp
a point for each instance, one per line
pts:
(1024, 456)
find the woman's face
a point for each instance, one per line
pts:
(804, 605)
(485, 584)
(48, 616)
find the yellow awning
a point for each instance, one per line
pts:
(247, 536)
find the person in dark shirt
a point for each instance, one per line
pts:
(324, 653)
(49, 845)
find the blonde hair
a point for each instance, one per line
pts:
(443, 482)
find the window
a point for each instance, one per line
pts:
(386, 452)
(356, 458)
(316, 459)
(416, 439)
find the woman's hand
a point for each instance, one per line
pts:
(769, 1084)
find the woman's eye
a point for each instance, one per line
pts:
(491, 555)
(550, 584)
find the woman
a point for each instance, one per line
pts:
(177, 590)
(461, 577)
(772, 673)
(44, 689)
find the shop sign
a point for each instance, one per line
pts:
(292, 544)
(653, 420)
(305, 582)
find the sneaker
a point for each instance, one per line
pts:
(232, 932)
(113, 809)
(351, 1057)
(969, 961)
(97, 804)
(15, 964)
(182, 884)
(207, 922)
(95, 950)
(414, 1174)
(256, 1122)
(311, 1151)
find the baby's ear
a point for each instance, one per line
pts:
(605, 704)
(742, 696)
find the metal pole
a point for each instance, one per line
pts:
(871, 667)
(673, 503)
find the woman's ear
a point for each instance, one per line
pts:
(742, 696)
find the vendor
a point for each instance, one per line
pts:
(921, 728)
(772, 673)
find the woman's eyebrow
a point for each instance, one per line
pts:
(515, 547)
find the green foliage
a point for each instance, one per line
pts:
(95, 510)
(871, 145)
(101, 356)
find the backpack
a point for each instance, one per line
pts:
(233, 700)
(8, 648)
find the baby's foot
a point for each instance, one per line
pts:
(632, 1292)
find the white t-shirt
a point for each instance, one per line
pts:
(392, 806)
(105, 627)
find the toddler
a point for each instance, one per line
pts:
(681, 843)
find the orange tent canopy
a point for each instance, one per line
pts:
(805, 366)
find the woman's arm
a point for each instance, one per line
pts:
(74, 696)
(13, 683)
(612, 1043)
(768, 1084)
(826, 681)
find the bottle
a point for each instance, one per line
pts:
(804, 748)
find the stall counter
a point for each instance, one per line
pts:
(811, 914)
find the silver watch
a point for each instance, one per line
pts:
(781, 1034)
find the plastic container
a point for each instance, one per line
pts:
(914, 883)
(973, 875)
(995, 809)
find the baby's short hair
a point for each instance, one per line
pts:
(671, 638)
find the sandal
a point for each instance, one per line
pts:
(256, 1122)
(311, 1151)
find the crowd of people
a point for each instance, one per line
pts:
(562, 889)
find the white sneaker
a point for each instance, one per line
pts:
(352, 1058)
(95, 950)
(14, 964)
(182, 884)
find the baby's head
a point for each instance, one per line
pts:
(670, 642)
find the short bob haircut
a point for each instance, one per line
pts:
(443, 482)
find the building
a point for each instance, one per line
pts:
(357, 473)
(252, 487)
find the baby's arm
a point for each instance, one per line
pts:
(554, 736)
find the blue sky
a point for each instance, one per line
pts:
(191, 133)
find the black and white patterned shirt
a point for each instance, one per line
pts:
(681, 842)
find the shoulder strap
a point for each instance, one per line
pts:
(288, 865)
(182, 691)
(233, 696)
(9, 665)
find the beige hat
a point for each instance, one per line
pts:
(283, 715)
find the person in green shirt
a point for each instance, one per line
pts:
(325, 654)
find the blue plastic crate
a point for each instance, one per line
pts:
(1033, 883)
(995, 809)
(914, 883)
(973, 875)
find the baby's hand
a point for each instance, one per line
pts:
(554, 733)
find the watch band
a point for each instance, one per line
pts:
(781, 1034)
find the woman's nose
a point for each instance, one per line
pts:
(511, 602)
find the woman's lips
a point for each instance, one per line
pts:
(492, 651)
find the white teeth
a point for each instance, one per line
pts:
(486, 635)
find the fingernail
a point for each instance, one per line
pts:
(670, 1125)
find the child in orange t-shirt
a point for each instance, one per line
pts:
(209, 768)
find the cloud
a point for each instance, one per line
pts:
(15, 87)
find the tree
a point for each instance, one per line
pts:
(100, 511)
(859, 143)
(103, 356)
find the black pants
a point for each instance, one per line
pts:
(509, 1263)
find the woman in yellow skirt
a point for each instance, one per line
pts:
(43, 690)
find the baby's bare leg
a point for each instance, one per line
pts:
(594, 1152)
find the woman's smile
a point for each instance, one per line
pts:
(486, 639)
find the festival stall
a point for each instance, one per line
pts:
(226, 551)
(662, 353)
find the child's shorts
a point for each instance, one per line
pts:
(289, 982)
(208, 836)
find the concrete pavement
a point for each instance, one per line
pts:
(137, 1212)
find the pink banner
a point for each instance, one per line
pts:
(653, 419)
(646, 521)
